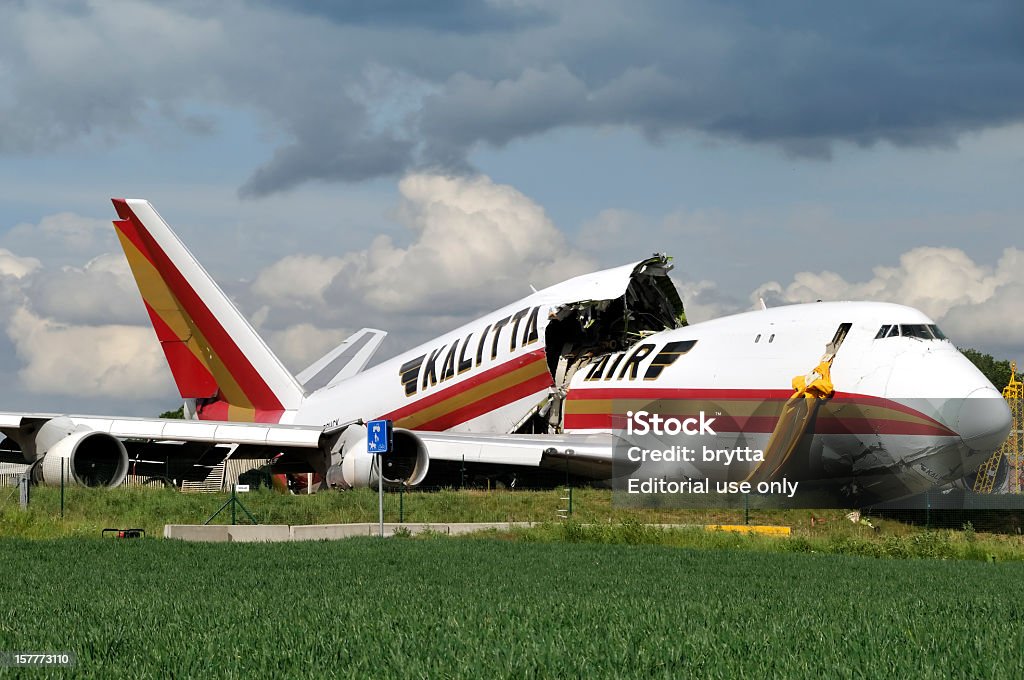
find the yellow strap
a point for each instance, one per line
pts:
(793, 421)
(820, 386)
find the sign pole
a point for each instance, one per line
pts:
(378, 443)
(380, 495)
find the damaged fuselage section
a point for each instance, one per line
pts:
(571, 323)
(596, 331)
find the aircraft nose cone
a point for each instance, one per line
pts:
(983, 421)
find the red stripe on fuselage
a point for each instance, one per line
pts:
(494, 402)
(653, 393)
(826, 423)
(482, 405)
(766, 425)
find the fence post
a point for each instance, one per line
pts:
(23, 491)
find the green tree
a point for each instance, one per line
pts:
(997, 371)
(178, 413)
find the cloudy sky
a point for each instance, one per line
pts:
(409, 165)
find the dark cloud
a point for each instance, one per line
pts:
(329, 147)
(799, 76)
(457, 16)
(796, 75)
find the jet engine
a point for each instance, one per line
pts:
(406, 464)
(88, 458)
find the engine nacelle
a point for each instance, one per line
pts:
(405, 465)
(87, 457)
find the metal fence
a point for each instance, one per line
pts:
(958, 509)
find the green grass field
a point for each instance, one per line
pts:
(486, 608)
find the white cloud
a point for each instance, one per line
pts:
(300, 345)
(703, 300)
(977, 305)
(476, 244)
(297, 278)
(71, 326)
(996, 323)
(16, 267)
(62, 238)
(103, 291)
(116, 361)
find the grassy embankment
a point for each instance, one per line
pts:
(594, 520)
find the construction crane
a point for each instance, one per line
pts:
(1013, 448)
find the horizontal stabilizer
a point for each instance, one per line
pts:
(342, 362)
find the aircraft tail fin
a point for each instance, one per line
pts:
(215, 355)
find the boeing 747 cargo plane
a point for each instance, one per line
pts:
(869, 398)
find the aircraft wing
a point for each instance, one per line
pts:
(164, 429)
(100, 451)
(588, 456)
(528, 450)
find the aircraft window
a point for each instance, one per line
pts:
(771, 338)
(911, 330)
(758, 338)
(916, 330)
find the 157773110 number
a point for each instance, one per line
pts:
(15, 659)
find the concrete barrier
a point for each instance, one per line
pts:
(413, 528)
(212, 533)
(259, 533)
(330, 532)
(459, 528)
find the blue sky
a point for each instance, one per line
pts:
(316, 159)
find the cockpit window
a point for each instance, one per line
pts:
(916, 330)
(911, 330)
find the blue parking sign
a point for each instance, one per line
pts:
(378, 436)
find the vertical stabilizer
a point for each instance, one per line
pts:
(216, 357)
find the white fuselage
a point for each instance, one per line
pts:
(899, 404)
